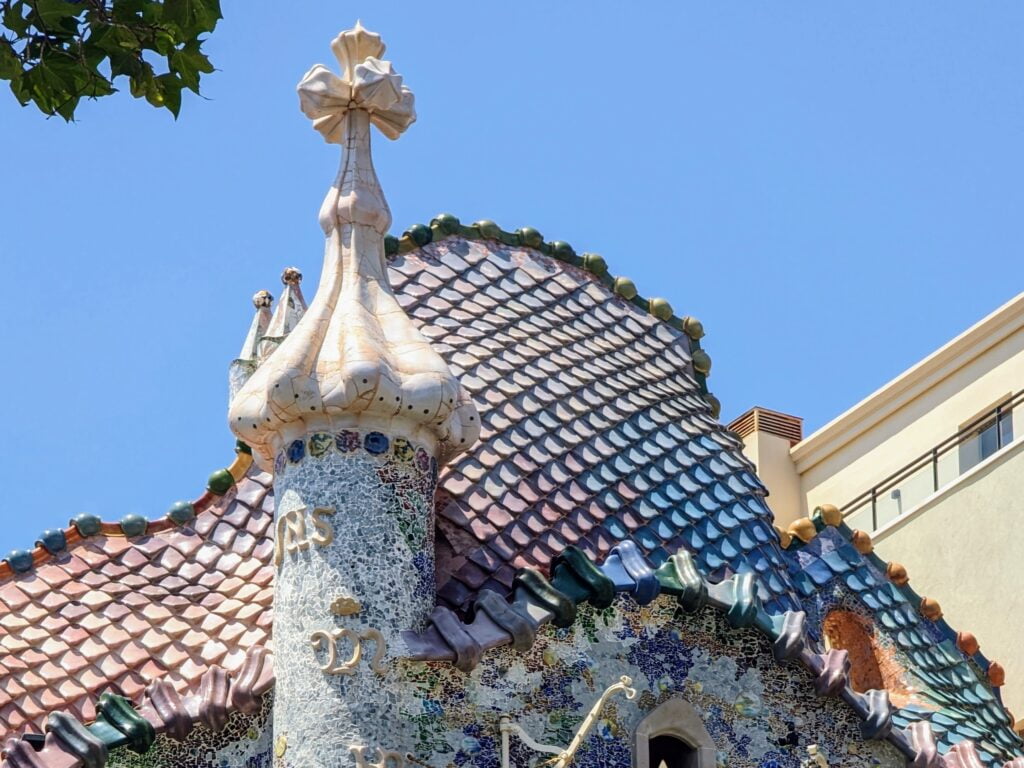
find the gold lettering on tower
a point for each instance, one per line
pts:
(329, 641)
(324, 533)
(291, 533)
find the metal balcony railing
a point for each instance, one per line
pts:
(934, 469)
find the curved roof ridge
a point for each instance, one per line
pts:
(56, 541)
(804, 530)
(446, 225)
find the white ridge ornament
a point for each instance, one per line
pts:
(355, 359)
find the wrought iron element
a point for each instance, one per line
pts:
(563, 756)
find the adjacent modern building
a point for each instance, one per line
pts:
(931, 466)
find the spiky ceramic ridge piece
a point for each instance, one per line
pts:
(355, 359)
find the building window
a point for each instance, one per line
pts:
(985, 440)
(673, 736)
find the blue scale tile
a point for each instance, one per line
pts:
(836, 562)
(693, 540)
(722, 494)
(701, 476)
(616, 528)
(751, 481)
(711, 531)
(746, 541)
(658, 556)
(819, 572)
(705, 501)
(726, 519)
(661, 501)
(709, 444)
(740, 512)
(717, 466)
(646, 538)
(729, 551)
(662, 529)
(854, 582)
(850, 555)
(712, 559)
(869, 600)
(758, 507)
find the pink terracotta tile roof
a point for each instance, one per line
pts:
(115, 613)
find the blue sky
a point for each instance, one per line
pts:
(834, 189)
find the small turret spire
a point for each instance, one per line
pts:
(287, 314)
(354, 358)
(243, 366)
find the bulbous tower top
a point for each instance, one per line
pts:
(354, 358)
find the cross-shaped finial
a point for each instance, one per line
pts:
(366, 83)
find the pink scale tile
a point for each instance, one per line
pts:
(110, 665)
(132, 685)
(96, 600)
(116, 612)
(234, 562)
(152, 545)
(54, 624)
(263, 576)
(114, 636)
(133, 559)
(185, 543)
(232, 631)
(134, 653)
(208, 554)
(190, 670)
(213, 601)
(249, 492)
(53, 577)
(248, 612)
(175, 627)
(155, 640)
(171, 559)
(205, 522)
(241, 568)
(213, 651)
(32, 682)
(73, 662)
(33, 586)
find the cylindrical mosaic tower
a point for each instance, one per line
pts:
(353, 410)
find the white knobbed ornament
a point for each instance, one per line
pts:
(355, 359)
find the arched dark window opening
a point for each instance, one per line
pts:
(673, 736)
(667, 751)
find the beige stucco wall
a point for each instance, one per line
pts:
(965, 548)
(770, 454)
(912, 414)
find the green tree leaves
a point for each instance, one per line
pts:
(56, 52)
